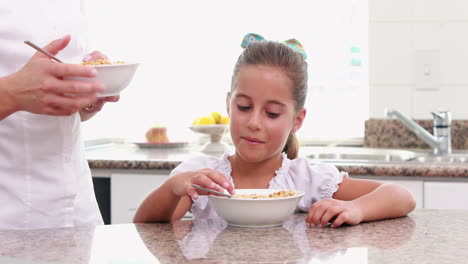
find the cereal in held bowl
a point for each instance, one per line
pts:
(114, 75)
(102, 62)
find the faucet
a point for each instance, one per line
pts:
(441, 140)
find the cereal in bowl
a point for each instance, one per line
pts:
(102, 62)
(279, 194)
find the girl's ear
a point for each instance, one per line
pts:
(228, 103)
(298, 120)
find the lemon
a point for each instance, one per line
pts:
(196, 121)
(224, 120)
(216, 116)
(206, 120)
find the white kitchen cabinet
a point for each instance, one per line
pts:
(416, 187)
(127, 192)
(446, 195)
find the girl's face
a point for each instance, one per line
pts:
(262, 112)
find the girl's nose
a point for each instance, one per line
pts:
(254, 121)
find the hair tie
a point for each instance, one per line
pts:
(292, 43)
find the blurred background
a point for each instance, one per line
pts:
(187, 50)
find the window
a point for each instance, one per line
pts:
(187, 50)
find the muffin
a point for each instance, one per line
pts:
(157, 134)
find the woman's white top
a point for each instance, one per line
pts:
(45, 180)
(318, 181)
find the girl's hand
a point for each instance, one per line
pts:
(181, 184)
(335, 211)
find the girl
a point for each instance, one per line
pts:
(266, 107)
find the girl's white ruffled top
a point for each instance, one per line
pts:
(318, 181)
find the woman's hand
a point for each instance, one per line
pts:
(334, 211)
(39, 87)
(97, 106)
(181, 184)
(94, 56)
(90, 110)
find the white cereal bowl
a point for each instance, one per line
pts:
(115, 77)
(267, 212)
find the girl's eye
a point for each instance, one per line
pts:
(272, 115)
(243, 108)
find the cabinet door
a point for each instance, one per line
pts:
(446, 195)
(415, 187)
(128, 191)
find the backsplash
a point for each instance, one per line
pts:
(391, 133)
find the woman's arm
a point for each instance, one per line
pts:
(7, 104)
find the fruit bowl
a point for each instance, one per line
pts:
(216, 132)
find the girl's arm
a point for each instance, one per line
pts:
(361, 200)
(162, 205)
(376, 200)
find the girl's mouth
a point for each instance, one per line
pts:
(253, 140)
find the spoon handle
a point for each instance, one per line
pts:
(34, 46)
(211, 191)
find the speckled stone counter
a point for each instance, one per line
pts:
(129, 156)
(425, 236)
(391, 133)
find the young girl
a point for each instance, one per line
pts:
(266, 107)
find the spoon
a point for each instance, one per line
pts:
(211, 191)
(42, 51)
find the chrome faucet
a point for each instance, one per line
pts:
(440, 142)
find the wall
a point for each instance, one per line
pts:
(398, 30)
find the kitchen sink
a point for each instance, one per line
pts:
(449, 158)
(379, 155)
(353, 154)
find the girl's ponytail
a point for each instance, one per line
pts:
(292, 147)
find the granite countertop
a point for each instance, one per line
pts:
(130, 156)
(425, 236)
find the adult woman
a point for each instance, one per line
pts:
(45, 180)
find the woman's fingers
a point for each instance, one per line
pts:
(65, 97)
(71, 87)
(112, 99)
(54, 47)
(55, 104)
(95, 55)
(70, 70)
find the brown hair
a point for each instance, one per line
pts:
(274, 53)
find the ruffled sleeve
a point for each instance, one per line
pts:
(195, 163)
(318, 181)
